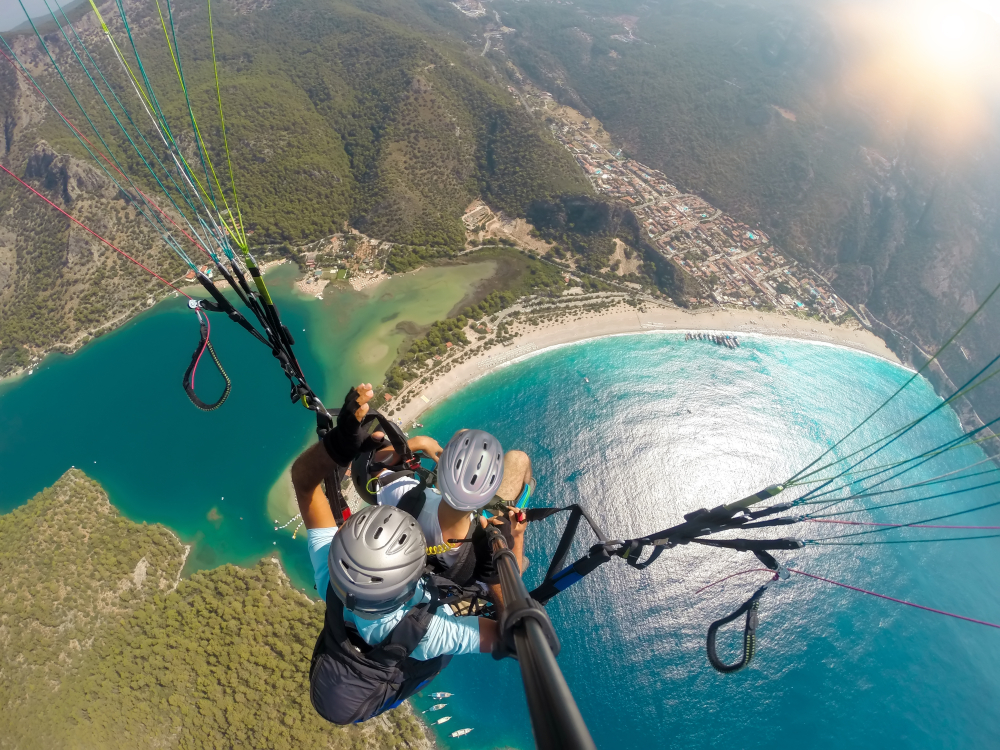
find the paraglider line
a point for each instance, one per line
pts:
(894, 525)
(204, 344)
(65, 119)
(859, 590)
(893, 599)
(84, 226)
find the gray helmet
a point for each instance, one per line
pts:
(470, 470)
(376, 559)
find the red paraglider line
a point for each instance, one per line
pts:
(204, 345)
(894, 525)
(94, 148)
(855, 588)
(84, 226)
(898, 601)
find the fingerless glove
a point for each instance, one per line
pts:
(345, 440)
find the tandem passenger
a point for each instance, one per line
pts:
(472, 472)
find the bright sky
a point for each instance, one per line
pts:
(990, 7)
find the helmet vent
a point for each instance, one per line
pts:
(378, 532)
(474, 478)
(376, 579)
(486, 446)
(493, 479)
(402, 539)
(480, 464)
(458, 464)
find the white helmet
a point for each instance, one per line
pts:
(470, 470)
(376, 560)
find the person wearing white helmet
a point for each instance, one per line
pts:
(472, 472)
(384, 635)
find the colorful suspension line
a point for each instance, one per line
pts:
(910, 380)
(95, 234)
(152, 218)
(859, 590)
(180, 191)
(896, 525)
(820, 543)
(917, 523)
(900, 433)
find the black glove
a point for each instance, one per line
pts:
(345, 440)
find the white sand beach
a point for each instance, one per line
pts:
(622, 320)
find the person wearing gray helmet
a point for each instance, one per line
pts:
(386, 631)
(472, 472)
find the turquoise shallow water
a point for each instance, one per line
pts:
(116, 410)
(666, 426)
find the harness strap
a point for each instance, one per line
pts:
(204, 344)
(749, 607)
(752, 545)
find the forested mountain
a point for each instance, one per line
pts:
(104, 646)
(863, 137)
(371, 114)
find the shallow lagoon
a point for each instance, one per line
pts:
(116, 409)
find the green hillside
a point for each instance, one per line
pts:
(106, 647)
(372, 115)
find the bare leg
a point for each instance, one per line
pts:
(516, 474)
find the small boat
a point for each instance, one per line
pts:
(436, 707)
(439, 696)
(442, 720)
(461, 732)
(417, 424)
(586, 380)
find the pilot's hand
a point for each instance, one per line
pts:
(344, 441)
(431, 448)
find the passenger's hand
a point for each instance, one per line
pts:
(431, 448)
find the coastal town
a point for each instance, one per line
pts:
(734, 263)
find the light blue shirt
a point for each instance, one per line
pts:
(446, 633)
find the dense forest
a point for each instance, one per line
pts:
(105, 646)
(337, 112)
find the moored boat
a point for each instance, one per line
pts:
(439, 696)
(461, 732)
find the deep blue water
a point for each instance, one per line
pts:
(666, 426)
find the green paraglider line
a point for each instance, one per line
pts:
(115, 116)
(95, 234)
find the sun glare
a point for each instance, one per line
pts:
(945, 35)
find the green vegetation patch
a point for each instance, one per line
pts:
(103, 648)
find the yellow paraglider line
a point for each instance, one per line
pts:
(230, 225)
(241, 239)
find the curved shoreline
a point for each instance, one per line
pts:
(597, 325)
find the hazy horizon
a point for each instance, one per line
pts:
(12, 15)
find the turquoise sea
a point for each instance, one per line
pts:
(666, 426)
(662, 427)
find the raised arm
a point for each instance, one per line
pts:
(314, 464)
